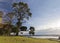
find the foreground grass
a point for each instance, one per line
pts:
(18, 39)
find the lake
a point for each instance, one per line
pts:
(55, 37)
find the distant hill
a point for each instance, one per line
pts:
(48, 32)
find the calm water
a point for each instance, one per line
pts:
(56, 37)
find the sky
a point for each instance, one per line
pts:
(45, 13)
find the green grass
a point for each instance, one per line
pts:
(18, 39)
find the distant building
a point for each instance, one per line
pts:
(1, 14)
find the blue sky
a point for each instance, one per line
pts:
(45, 13)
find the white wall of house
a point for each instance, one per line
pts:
(21, 33)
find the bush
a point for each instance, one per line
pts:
(23, 28)
(31, 32)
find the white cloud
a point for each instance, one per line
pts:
(54, 25)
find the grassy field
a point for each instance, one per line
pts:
(18, 39)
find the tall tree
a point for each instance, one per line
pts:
(22, 11)
(8, 22)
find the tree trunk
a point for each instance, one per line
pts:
(16, 33)
(18, 27)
